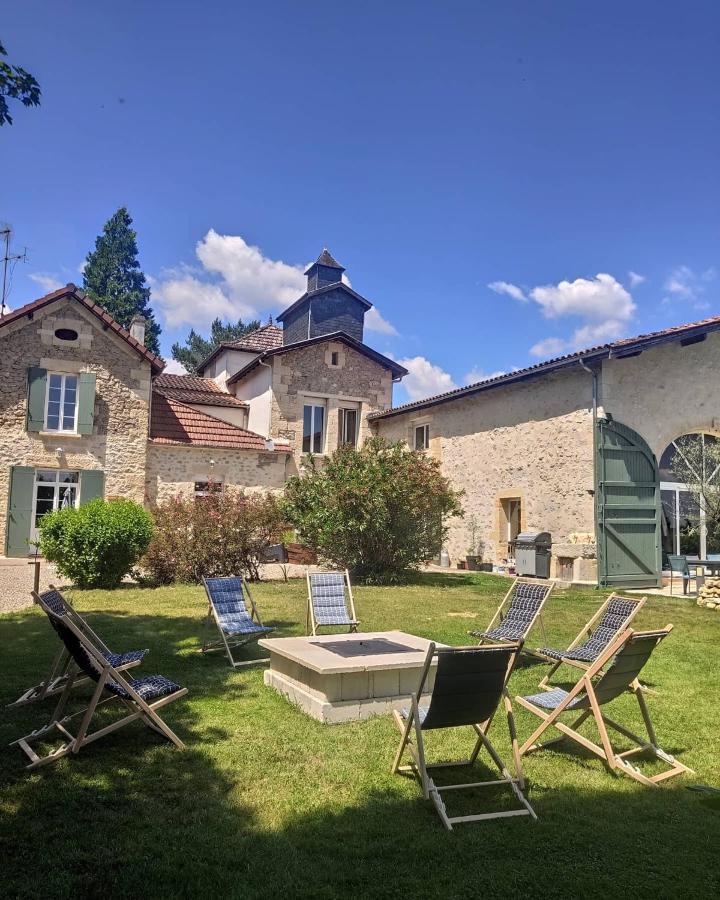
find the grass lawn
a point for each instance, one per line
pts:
(266, 802)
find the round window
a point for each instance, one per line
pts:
(66, 334)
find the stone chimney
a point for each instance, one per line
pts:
(137, 328)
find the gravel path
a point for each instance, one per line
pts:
(16, 582)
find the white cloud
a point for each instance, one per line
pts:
(507, 288)
(375, 322)
(597, 299)
(235, 280)
(174, 367)
(683, 283)
(549, 347)
(46, 281)
(424, 379)
(635, 279)
(475, 375)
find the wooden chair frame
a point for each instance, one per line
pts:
(499, 616)
(419, 766)
(63, 664)
(234, 641)
(586, 633)
(311, 625)
(615, 760)
(139, 708)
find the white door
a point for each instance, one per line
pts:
(54, 489)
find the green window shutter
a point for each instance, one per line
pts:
(36, 390)
(92, 484)
(86, 402)
(20, 505)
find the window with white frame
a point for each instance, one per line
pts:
(313, 428)
(207, 488)
(61, 402)
(422, 436)
(348, 427)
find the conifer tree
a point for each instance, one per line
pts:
(197, 348)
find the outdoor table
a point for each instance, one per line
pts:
(712, 564)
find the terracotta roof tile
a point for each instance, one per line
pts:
(266, 338)
(173, 422)
(71, 291)
(193, 389)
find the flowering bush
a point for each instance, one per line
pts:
(223, 533)
(98, 543)
(379, 510)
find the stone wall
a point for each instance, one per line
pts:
(532, 441)
(665, 392)
(174, 470)
(119, 439)
(306, 374)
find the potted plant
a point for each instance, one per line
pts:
(474, 554)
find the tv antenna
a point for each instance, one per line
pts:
(7, 259)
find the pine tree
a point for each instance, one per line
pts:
(197, 348)
(114, 279)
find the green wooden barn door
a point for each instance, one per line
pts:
(628, 508)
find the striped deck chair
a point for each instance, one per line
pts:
(142, 696)
(328, 603)
(469, 684)
(64, 665)
(613, 617)
(518, 612)
(622, 662)
(227, 607)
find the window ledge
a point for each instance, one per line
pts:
(61, 434)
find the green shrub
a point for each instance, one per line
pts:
(379, 511)
(97, 544)
(223, 533)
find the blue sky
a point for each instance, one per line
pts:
(505, 181)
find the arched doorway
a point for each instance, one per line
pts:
(684, 522)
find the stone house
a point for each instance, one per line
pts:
(86, 411)
(580, 446)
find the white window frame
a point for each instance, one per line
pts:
(342, 418)
(315, 405)
(56, 484)
(63, 376)
(425, 428)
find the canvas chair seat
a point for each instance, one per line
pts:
(470, 683)
(122, 660)
(614, 673)
(228, 601)
(615, 614)
(141, 696)
(516, 615)
(330, 601)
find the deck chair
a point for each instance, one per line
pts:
(63, 663)
(469, 684)
(622, 662)
(328, 603)
(227, 607)
(518, 612)
(142, 696)
(613, 617)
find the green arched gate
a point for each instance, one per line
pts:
(627, 497)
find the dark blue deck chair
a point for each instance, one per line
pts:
(518, 612)
(470, 683)
(141, 696)
(63, 665)
(228, 600)
(330, 602)
(613, 617)
(614, 673)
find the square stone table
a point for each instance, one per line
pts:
(344, 677)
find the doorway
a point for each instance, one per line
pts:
(53, 489)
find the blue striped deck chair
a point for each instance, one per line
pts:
(63, 664)
(228, 600)
(142, 697)
(613, 617)
(470, 683)
(614, 673)
(330, 602)
(520, 609)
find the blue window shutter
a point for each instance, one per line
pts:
(20, 504)
(86, 402)
(92, 484)
(36, 390)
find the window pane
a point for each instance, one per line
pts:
(45, 475)
(70, 383)
(318, 424)
(53, 418)
(55, 382)
(69, 477)
(421, 437)
(307, 428)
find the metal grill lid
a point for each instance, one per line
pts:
(534, 538)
